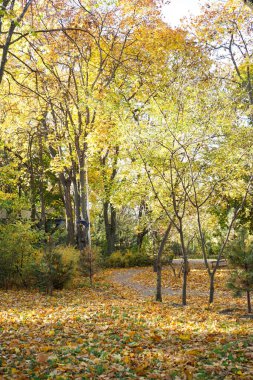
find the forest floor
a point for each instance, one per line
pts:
(117, 331)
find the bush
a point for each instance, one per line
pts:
(17, 252)
(69, 255)
(89, 262)
(128, 259)
(53, 270)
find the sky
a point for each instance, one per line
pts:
(181, 8)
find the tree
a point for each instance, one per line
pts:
(12, 14)
(240, 255)
(70, 73)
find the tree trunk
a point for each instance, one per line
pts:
(110, 227)
(77, 205)
(32, 183)
(159, 281)
(249, 301)
(113, 226)
(66, 184)
(211, 290)
(140, 238)
(88, 231)
(184, 289)
(69, 214)
(82, 185)
(159, 264)
(83, 197)
(186, 265)
(42, 206)
(145, 230)
(41, 185)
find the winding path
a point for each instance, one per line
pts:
(127, 278)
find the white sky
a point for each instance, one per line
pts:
(178, 9)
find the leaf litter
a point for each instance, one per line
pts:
(113, 332)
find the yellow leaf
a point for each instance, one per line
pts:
(141, 369)
(193, 352)
(185, 337)
(126, 359)
(46, 348)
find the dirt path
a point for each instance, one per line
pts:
(127, 278)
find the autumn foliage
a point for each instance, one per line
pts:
(112, 332)
(125, 143)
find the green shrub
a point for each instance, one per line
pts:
(89, 262)
(240, 256)
(115, 260)
(69, 255)
(127, 259)
(52, 270)
(17, 252)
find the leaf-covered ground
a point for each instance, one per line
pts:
(111, 332)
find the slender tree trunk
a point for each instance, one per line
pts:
(42, 205)
(140, 238)
(83, 197)
(186, 266)
(109, 247)
(159, 281)
(88, 231)
(66, 184)
(82, 185)
(77, 205)
(211, 290)
(69, 214)
(184, 288)
(249, 301)
(41, 187)
(32, 183)
(113, 226)
(159, 264)
(110, 226)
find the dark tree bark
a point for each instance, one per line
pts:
(140, 236)
(249, 302)
(41, 184)
(186, 264)
(109, 211)
(211, 290)
(159, 264)
(32, 180)
(110, 226)
(66, 185)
